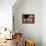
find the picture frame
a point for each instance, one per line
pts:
(28, 18)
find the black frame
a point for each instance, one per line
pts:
(29, 17)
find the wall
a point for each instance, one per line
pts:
(30, 31)
(25, 7)
(43, 22)
(6, 13)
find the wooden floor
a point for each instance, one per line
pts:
(9, 43)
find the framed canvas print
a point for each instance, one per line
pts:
(28, 18)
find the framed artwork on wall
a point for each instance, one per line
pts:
(28, 18)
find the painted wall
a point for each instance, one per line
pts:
(43, 22)
(30, 31)
(31, 6)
